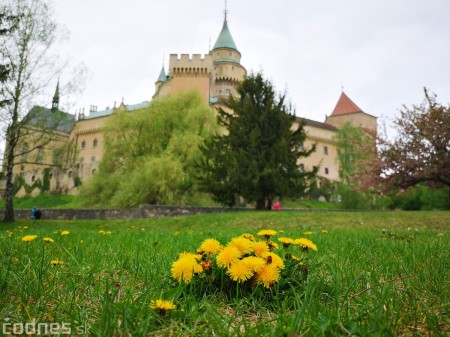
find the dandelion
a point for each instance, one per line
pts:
(308, 233)
(48, 240)
(286, 241)
(274, 259)
(184, 269)
(210, 246)
(28, 238)
(245, 246)
(324, 231)
(65, 233)
(206, 265)
(108, 233)
(254, 263)
(240, 271)
(249, 237)
(81, 241)
(25, 227)
(191, 255)
(267, 233)
(272, 245)
(101, 231)
(305, 244)
(260, 248)
(227, 256)
(268, 275)
(56, 263)
(162, 305)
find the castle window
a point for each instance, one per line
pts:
(326, 170)
(93, 159)
(40, 155)
(32, 178)
(325, 150)
(83, 144)
(95, 143)
(301, 167)
(25, 149)
(315, 168)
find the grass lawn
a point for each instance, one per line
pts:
(374, 274)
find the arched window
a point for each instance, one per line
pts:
(95, 143)
(83, 144)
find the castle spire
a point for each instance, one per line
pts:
(225, 40)
(55, 101)
(162, 75)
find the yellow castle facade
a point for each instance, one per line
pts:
(215, 76)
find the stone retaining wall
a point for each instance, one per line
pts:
(143, 212)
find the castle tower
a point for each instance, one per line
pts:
(161, 79)
(347, 111)
(227, 71)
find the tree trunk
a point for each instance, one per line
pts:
(261, 203)
(9, 193)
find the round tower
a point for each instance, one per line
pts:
(227, 70)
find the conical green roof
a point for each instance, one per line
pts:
(225, 40)
(162, 76)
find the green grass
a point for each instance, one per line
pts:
(43, 201)
(374, 274)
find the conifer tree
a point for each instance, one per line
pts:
(255, 157)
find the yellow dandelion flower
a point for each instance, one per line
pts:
(245, 246)
(308, 233)
(267, 233)
(324, 231)
(48, 240)
(249, 237)
(305, 244)
(184, 269)
(268, 275)
(274, 259)
(227, 256)
(240, 271)
(25, 227)
(162, 305)
(101, 231)
(260, 248)
(254, 263)
(28, 238)
(210, 246)
(191, 255)
(108, 233)
(296, 258)
(286, 241)
(56, 263)
(272, 245)
(81, 241)
(65, 233)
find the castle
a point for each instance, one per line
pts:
(215, 76)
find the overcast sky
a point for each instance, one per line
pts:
(383, 52)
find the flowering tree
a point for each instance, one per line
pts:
(420, 153)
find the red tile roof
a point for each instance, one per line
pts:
(345, 106)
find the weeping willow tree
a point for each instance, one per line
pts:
(150, 154)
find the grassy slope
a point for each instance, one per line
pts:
(407, 278)
(69, 201)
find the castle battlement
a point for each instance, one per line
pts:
(185, 63)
